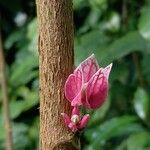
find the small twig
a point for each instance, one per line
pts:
(138, 69)
(125, 13)
(8, 129)
(134, 55)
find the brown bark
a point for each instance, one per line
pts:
(3, 82)
(55, 21)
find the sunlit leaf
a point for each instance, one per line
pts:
(29, 100)
(121, 47)
(139, 141)
(32, 36)
(109, 129)
(144, 22)
(20, 136)
(89, 43)
(78, 4)
(142, 104)
(127, 44)
(22, 71)
(13, 38)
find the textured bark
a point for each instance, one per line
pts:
(55, 22)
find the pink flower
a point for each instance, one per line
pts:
(75, 122)
(88, 84)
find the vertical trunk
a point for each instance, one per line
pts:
(3, 82)
(55, 23)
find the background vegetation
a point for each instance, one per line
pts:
(116, 31)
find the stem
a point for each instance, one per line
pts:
(7, 121)
(55, 22)
(124, 13)
(138, 69)
(134, 55)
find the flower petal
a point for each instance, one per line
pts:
(107, 70)
(77, 100)
(72, 87)
(88, 68)
(73, 127)
(84, 121)
(96, 90)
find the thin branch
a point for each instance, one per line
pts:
(3, 80)
(125, 13)
(134, 55)
(138, 69)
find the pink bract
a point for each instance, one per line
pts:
(88, 84)
(75, 122)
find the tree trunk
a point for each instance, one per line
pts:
(4, 87)
(55, 21)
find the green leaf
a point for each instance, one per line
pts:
(95, 42)
(98, 4)
(119, 72)
(144, 22)
(29, 99)
(20, 136)
(111, 128)
(34, 129)
(142, 104)
(127, 44)
(89, 43)
(78, 4)
(139, 141)
(16, 36)
(116, 125)
(21, 71)
(33, 36)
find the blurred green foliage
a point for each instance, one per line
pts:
(116, 31)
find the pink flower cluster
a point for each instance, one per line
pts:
(86, 86)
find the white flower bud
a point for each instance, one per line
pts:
(75, 119)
